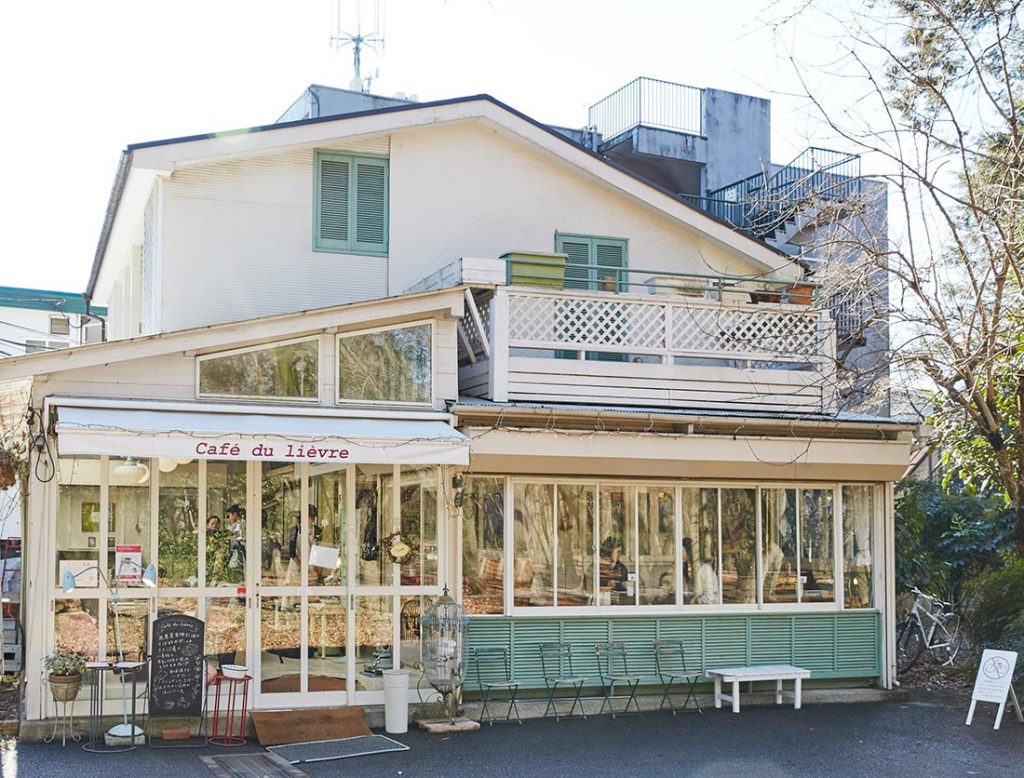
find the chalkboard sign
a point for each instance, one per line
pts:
(178, 667)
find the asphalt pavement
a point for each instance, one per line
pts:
(925, 736)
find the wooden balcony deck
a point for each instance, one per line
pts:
(563, 345)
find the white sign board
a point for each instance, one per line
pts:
(128, 563)
(323, 556)
(993, 683)
(84, 571)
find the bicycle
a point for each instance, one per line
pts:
(933, 626)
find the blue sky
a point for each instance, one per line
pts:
(84, 79)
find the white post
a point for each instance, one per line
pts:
(497, 378)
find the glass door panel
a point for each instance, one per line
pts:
(328, 526)
(374, 522)
(327, 631)
(418, 522)
(374, 639)
(277, 546)
(280, 646)
(226, 491)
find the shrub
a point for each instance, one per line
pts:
(994, 607)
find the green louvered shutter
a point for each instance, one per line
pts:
(371, 222)
(611, 260)
(577, 265)
(333, 197)
(350, 211)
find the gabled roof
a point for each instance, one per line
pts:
(165, 156)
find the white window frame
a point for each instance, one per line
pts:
(339, 400)
(265, 398)
(832, 605)
(64, 320)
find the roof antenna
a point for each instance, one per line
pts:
(358, 39)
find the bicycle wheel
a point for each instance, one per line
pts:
(910, 643)
(947, 640)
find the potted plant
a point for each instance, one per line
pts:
(65, 674)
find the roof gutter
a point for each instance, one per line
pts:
(547, 414)
(116, 192)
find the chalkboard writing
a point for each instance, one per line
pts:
(176, 686)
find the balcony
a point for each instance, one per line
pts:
(649, 102)
(667, 348)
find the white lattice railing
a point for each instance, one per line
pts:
(628, 324)
(483, 306)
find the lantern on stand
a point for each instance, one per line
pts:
(442, 629)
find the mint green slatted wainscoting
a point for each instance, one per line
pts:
(843, 645)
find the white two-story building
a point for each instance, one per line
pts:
(590, 410)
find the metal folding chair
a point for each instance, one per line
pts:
(613, 666)
(555, 659)
(670, 660)
(494, 675)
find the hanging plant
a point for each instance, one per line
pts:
(398, 549)
(7, 470)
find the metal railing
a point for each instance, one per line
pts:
(652, 103)
(762, 202)
(620, 280)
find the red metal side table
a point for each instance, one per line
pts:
(229, 722)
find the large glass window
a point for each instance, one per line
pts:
(858, 560)
(618, 546)
(779, 545)
(284, 371)
(128, 520)
(739, 552)
(656, 533)
(701, 584)
(418, 525)
(225, 523)
(328, 525)
(80, 530)
(534, 542)
(483, 545)
(386, 366)
(817, 570)
(575, 551)
(178, 522)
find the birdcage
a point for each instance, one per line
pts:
(442, 628)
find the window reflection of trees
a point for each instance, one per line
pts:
(290, 370)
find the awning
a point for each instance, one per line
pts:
(240, 436)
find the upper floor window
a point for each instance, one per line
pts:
(594, 263)
(60, 325)
(283, 371)
(350, 204)
(387, 365)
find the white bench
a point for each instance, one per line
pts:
(777, 673)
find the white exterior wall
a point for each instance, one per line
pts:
(21, 324)
(237, 243)
(467, 190)
(234, 238)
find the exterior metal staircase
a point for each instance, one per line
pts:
(775, 207)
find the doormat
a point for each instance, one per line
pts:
(323, 750)
(277, 727)
(251, 766)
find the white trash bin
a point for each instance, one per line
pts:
(396, 701)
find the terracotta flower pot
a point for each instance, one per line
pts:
(64, 688)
